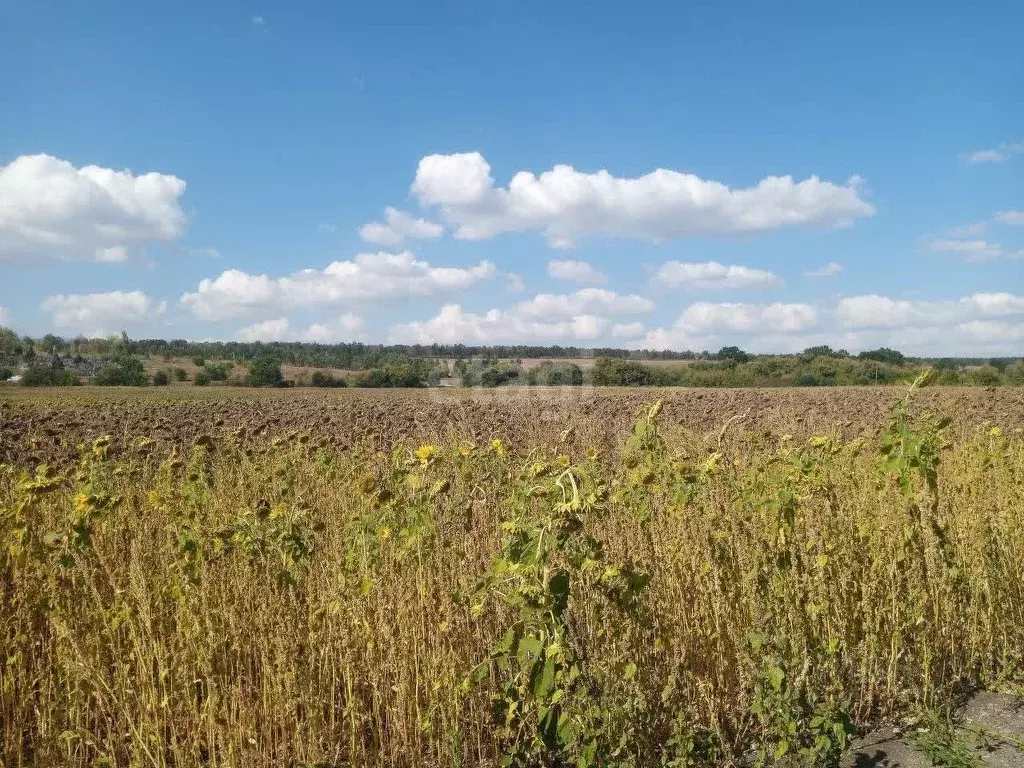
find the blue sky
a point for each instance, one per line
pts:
(195, 169)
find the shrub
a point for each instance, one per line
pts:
(5, 373)
(215, 371)
(986, 376)
(202, 377)
(161, 379)
(613, 372)
(46, 376)
(180, 374)
(123, 372)
(550, 374)
(324, 379)
(264, 371)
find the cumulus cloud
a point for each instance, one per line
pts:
(268, 330)
(398, 226)
(1013, 218)
(587, 301)
(628, 330)
(985, 156)
(99, 313)
(829, 270)
(546, 318)
(53, 211)
(711, 275)
(974, 250)
(453, 325)
(977, 229)
(703, 323)
(343, 328)
(993, 331)
(577, 271)
(1000, 154)
(369, 277)
(873, 311)
(565, 204)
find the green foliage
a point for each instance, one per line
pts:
(554, 374)
(180, 374)
(733, 353)
(883, 355)
(264, 371)
(938, 740)
(612, 372)
(9, 341)
(550, 708)
(47, 376)
(5, 373)
(394, 376)
(324, 379)
(123, 372)
(161, 379)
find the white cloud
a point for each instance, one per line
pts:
(995, 304)
(587, 301)
(1013, 218)
(578, 271)
(453, 324)
(970, 230)
(711, 275)
(829, 270)
(258, 21)
(975, 250)
(705, 318)
(399, 225)
(993, 331)
(344, 328)
(53, 211)
(564, 203)
(873, 311)
(985, 156)
(369, 277)
(702, 324)
(998, 155)
(628, 330)
(269, 330)
(546, 318)
(99, 313)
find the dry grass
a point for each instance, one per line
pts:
(262, 600)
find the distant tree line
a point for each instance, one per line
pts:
(56, 361)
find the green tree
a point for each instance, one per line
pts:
(9, 341)
(733, 353)
(884, 355)
(123, 372)
(52, 343)
(264, 371)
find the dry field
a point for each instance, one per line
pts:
(531, 578)
(57, 421)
